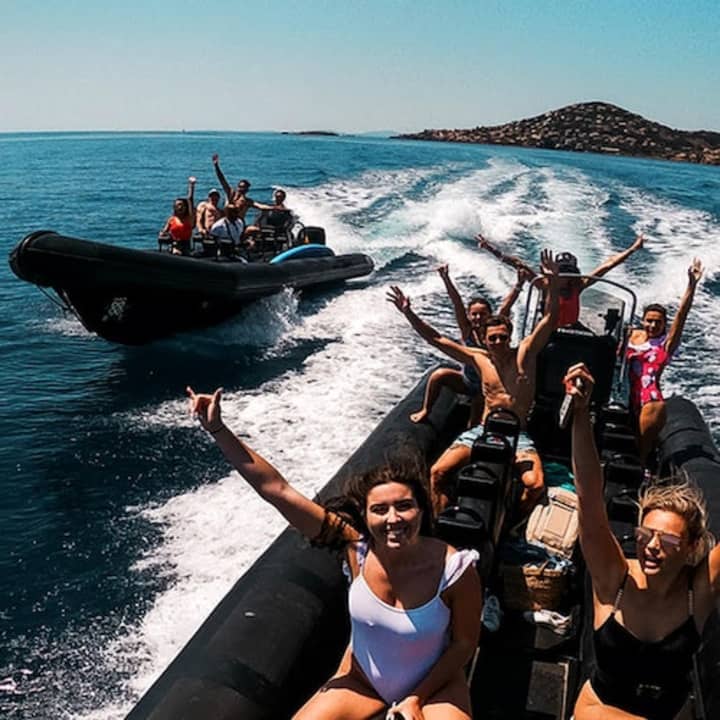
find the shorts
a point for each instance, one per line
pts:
(468, 438)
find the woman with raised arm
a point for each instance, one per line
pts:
(649, 351)
(179, 226)
(414, 601)
(570, 288)
(648, 612)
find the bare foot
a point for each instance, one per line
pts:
(419, 416)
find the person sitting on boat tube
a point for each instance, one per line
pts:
(569, 288)
(649, 351)
(414, 601)
(179, 226)
(649, 612)
(208, 213)
(470, 321)
(508, 381)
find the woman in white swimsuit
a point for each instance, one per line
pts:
(414, 601)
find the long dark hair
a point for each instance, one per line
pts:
(409, 470)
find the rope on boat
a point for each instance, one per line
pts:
(64, 306)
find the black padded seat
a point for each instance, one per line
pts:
(275, 231)
(568, 346)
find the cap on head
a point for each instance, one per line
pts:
(214, 191)
(567, 263)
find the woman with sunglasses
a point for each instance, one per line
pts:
(648, 612)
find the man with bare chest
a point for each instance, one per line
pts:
(508, 381)
(208, 213)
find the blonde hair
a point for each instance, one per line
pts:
(680, 495)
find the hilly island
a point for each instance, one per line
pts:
(591, 127)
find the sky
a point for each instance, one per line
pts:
(351, 66)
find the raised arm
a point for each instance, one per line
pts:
(464, 598)
(523, 276)
(200, 218)
(461, 317)
(537, 340)
(455, 350)
(263, 206)
(672, 341)
(613, 262)
(191, 196)
(300, 511)
(512, 260)
(222, 179)
(603, 556)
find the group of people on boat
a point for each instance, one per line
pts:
(222, 230)
(415, 602)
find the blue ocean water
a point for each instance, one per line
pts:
(121, 525)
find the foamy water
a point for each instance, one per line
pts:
(310, 420)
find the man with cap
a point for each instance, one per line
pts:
(208, 213)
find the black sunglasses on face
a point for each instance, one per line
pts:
(499, 338)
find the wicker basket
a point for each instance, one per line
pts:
(533, 587)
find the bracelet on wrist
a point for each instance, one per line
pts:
(215, 432)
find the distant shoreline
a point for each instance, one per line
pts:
(320, 133)
(591, 127)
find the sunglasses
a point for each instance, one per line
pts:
(668, 541)
(499, 338)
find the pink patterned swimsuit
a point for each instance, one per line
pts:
(646, 362)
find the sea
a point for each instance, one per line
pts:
(121, 524)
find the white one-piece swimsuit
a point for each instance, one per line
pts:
(396, 648)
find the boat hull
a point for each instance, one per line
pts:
(136, 296)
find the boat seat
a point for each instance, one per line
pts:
(205, 246)
(164, 242)
(275, 231)
(482, 489)
(566, 347)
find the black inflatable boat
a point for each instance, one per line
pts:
(280, 631)
(135, 296)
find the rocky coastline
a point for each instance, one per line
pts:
(591, 127)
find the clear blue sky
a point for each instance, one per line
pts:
(351, 65)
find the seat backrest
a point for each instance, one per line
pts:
(279, 220)
(568, 346)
